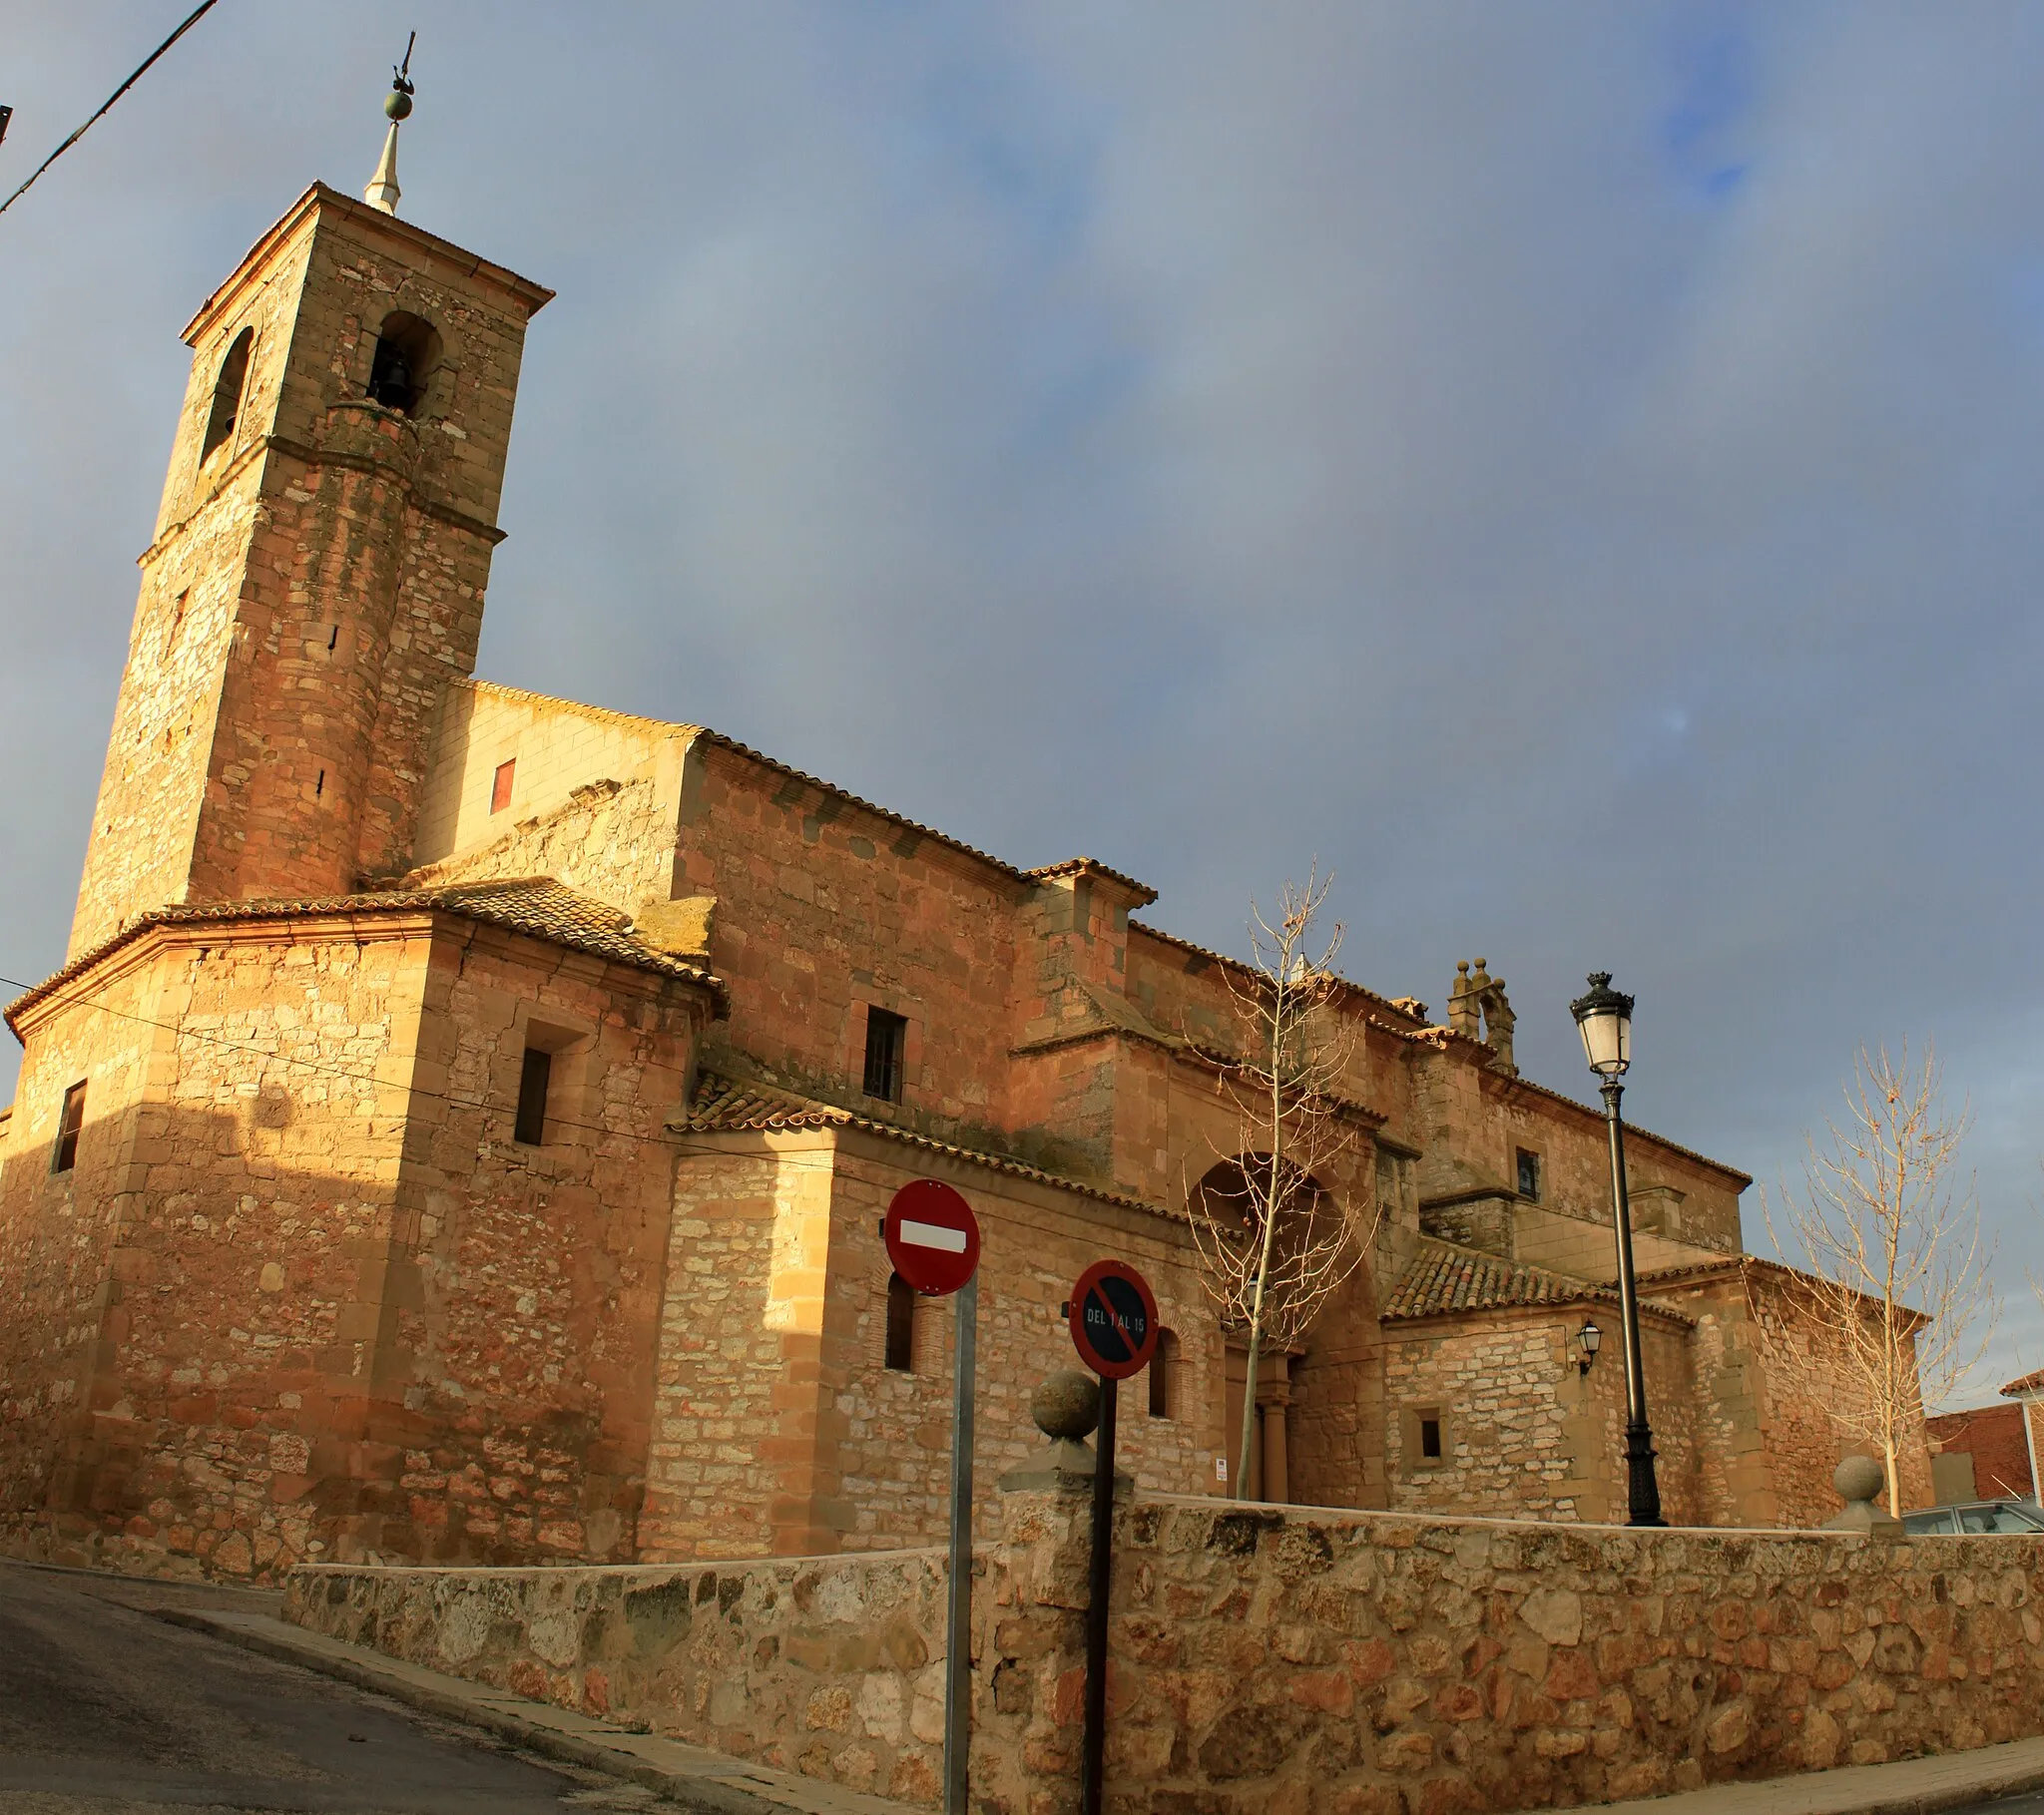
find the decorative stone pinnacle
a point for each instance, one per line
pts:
(383, 191)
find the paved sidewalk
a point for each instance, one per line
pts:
(690, 1775)
(1914, 1786)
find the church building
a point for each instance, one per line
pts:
(459, 1127)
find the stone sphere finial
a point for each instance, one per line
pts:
(1065, 1405)
(1859, 1479)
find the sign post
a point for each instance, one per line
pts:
(932, 1239)
(1112, 1318)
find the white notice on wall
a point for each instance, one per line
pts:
(1221, 1468)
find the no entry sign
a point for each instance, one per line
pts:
(1113, 1316)
(932, 1238)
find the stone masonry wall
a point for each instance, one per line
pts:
(1524, 1430)
(830, 1666)
(304, 1296)
(1379, 1665)
(1273, 1659)
(774, 1414)
(241, 1147)
(594, 795)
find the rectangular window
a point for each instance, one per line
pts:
(1431, 1439)
(73, 1119)
(886, 1042)
(1529, 1175)
(531, 1125)
(500, 787)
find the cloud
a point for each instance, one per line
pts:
(1569, 468)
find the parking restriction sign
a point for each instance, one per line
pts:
(1113, 1316)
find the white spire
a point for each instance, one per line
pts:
(384, 190)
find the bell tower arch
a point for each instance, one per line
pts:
(317, 571)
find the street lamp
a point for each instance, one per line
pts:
(1589, 1339)
(1605, 1019)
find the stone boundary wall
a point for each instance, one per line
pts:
(1328, 1662)
(832, 1666)
(1273, 1661)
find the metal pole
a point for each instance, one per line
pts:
(1094, 1750)
(958, 1626)
(1643, 1494)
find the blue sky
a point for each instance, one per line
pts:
(1569, 467)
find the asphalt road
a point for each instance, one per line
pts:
(105, 1711)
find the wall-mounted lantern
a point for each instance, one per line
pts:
(1589, 1339)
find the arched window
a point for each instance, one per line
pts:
(1163, 1366)
(226, 394)
(408, 355)
(900, 1324)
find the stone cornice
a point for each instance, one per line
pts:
(313, 457)
(533, 297)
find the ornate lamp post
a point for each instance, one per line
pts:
(1605, 1019)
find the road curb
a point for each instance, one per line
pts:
(692, 1776)
(1909, 1786)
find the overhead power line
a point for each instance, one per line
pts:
(200, 12)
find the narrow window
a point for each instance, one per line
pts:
(1529, 1175)
(1430, 1438)
(500, 787)
(900, 1324)
(887, 1038)
(226, 394)
(1163, 1365)
(531, 1125)
(68, 1125)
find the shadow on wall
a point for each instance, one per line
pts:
(252, 1360)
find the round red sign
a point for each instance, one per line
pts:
(932, 1238)
(1113, 1315)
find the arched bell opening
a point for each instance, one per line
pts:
(409, 352)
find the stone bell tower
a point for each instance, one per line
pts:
(317, 571)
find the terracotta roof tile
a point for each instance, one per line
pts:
(536, 905)
(2029, 1383)
(1079, 866)
(1443, 1279)
(732, 1105)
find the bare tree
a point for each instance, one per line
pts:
(1273, 1243)
(1898, 1277)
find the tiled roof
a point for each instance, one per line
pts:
(1077, 866)
(1443, 1279)
(2029, 1383)
(534, 905)
(733, 1105)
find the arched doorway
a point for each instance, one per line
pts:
(1314, 1243)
